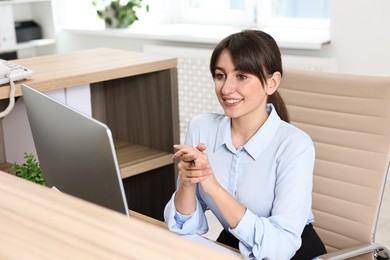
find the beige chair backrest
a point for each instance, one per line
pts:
(348, 118)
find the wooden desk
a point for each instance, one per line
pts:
(135, 94)
(39, 223)
(65, 70)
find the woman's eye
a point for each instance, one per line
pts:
(242, 77)
(219, 76)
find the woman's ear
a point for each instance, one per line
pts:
(273, 83)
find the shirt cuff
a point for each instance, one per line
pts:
(195, 223)
(180, 218)
(252, 235)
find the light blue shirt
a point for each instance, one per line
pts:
(271, 175)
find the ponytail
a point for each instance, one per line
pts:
(280, 107)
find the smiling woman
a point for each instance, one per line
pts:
(252, 168)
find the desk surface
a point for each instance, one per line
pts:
(88, 66)
(39, 223)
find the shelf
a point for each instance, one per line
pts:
(14, 2)
(29, 44)
(287, 38)
(7, 167)
(135, 159)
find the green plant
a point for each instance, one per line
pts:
(30, 170)
(118, 13)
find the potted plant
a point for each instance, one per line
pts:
(118, 13)
(29, 170)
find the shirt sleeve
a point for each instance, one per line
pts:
(195, 223)
(279, 236)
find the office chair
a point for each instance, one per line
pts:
(348, 118)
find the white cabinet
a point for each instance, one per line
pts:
(39, 11)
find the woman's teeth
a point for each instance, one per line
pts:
(232, 101)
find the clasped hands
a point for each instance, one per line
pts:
(194, 166)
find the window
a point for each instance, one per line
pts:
(243, 13)
(294, 13)
(301, 8)
(298, 13)
(221, 12)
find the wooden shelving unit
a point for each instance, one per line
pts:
(40, 11)
(136, 159)
(135, 94)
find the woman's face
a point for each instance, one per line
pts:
(241, 94)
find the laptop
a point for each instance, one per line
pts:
(76, 152)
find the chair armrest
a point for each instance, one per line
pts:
(355, 251)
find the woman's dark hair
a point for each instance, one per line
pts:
(257, 53)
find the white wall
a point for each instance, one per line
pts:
(361, 36)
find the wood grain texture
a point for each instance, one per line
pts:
(87, 66)
(40, 223)
(135, 159)
(139, 109)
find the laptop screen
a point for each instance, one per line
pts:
(76, 152)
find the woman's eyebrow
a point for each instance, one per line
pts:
(220, 68)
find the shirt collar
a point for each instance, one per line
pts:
(224, 135)
(256, 145)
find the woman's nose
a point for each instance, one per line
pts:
(228, 86)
